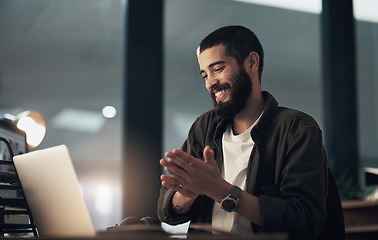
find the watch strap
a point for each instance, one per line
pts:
(235, 192)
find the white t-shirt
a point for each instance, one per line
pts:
(236, 153)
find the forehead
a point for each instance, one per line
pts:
(213, 54)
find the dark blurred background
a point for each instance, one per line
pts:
(65, 59)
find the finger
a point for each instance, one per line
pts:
(178, 173)
(170, 182)
(171, 166)
(163, 162)
(170, 179)
(208, 155)
(168, 154)
(173, 159)
(179, 188)
(181, 159)
(171, 185)
(167, 178)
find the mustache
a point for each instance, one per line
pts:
(219, 87)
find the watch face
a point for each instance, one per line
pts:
(229, 204)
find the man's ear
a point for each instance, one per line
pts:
(253, 61)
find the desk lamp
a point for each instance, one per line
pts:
(32, 123)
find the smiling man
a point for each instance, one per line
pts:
(248, 165)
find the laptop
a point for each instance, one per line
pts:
(51, 188)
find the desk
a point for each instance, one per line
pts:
(361, 219)
(154, 236)
(161, 235)
(154, 232)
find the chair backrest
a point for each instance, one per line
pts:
(334, 227)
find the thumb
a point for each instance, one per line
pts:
(208, 155)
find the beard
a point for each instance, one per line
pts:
(240, 90)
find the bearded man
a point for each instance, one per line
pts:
(249, 165)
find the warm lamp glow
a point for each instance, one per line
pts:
(34, 132)
(32, 123)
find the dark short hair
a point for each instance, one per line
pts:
(239, 42)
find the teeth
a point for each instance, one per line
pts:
(218, 94)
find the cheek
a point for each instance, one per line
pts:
(228, 75)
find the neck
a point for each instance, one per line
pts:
(249, 114)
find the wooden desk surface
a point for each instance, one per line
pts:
(359, 204)
(154, 236)
(154, 232)
(361, 219)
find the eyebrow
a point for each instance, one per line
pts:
(212, 65)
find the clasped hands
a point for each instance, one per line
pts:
(191, 176)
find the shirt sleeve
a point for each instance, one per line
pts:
(165, 210)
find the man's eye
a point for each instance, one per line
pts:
(218, 69)
(204, 77)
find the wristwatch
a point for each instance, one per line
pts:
(230, 203)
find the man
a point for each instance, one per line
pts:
(248, 165)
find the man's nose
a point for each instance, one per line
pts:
(211, 82)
